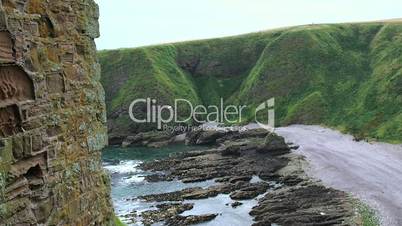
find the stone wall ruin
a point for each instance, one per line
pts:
(52, 115)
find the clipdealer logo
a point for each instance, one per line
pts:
(165, 114)
(269, 107)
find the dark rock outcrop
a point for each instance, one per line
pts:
(250, 191)
(303, 205)
(52, 115)
(236, 204)
(164, 212)
(151, 139)
(274, 143)
(190, 220)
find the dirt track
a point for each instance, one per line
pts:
(372, 172)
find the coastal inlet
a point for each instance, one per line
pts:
(244, 178)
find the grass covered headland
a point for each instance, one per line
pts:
(346, 76)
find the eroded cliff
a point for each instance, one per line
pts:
(346, 76)
(52, 115)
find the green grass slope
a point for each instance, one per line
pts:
(347, 76)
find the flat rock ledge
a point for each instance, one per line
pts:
(286, 196)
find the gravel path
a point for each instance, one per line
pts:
(370, 171)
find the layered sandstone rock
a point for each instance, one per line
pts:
(52, 115)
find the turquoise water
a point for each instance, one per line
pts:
(128, 183)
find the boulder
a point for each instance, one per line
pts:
(274, 144)
(236, 204)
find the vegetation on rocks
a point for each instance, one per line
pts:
(347, 76)
(117, 222)
(366, 215)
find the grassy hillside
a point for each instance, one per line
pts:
(347, 76)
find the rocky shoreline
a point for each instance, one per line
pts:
(252, 164)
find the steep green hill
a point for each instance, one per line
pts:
(347, 76)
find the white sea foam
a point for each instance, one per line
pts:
(255, 179)
(124, 167)
(134, 179)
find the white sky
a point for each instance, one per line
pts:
(132, 23)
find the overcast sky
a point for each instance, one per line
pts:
(133, 23)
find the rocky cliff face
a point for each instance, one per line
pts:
(52, 115)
